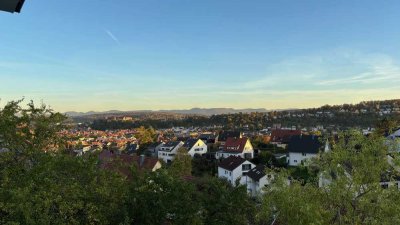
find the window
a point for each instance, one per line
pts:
(385, 186)
(230, 173)
(244, 173)
(295, 161)
(304, 154)
(246, 166)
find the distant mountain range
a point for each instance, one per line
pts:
(196, 111)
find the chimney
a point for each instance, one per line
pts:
(141, 160)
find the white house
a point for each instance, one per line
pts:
(167, 151)
(195, 146)
(234, 168)
(303, 147)
(256, 180)
(240, 147)
(153, 148)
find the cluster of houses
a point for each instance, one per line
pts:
(236, 169)
(234, 154)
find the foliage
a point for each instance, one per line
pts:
(333, 117)
(182, 164)
(31, 128)
(224, 204)
(202, 166)
(350, 194)
(144, 135)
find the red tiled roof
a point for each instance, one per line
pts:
(235, 144)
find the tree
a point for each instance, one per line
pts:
(144, 135)
(202, 166)
(224, 204)
(158, 198)
(31, 128)
(40, 185)
(386, 126)
(351, 193)
(182, 164)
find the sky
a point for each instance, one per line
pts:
(178, 54)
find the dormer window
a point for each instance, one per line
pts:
(246, 167)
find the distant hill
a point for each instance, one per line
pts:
(214, 111)
(193, 111)
(78, 114)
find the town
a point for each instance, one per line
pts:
(200, 112)
(238, 156)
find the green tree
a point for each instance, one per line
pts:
(159, 198)
(182, 164)
(41, 185)
(30, 128)
(351, 193)
(145, 135)
(223, 204)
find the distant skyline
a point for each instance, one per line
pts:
(150, 55)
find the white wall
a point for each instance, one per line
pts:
(167, 155)
(237, 173)
(199, 148)
(256, 188)
(248, 148)
(296, 158)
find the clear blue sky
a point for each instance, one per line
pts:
(86, 55)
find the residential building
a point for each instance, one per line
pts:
(234, 168)
(224, 135)
(302, 148)
(240, 147)
(153, 148)
(281, 137)
(256, 180)
(167, 151)
(195, 146)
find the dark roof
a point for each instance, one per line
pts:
(189, 143)
(11, 5)
(171, 144)
(283, 135)
(235, 144)
(224, 135)
(231, 163)
(257, 172)
(155, 144)
(121, 162)
(206, 136)
(305, 144)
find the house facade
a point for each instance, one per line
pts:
(302, 148)
(256, 180)
(167, 151)
(233, 169)
(195, 146)
(240, 147)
